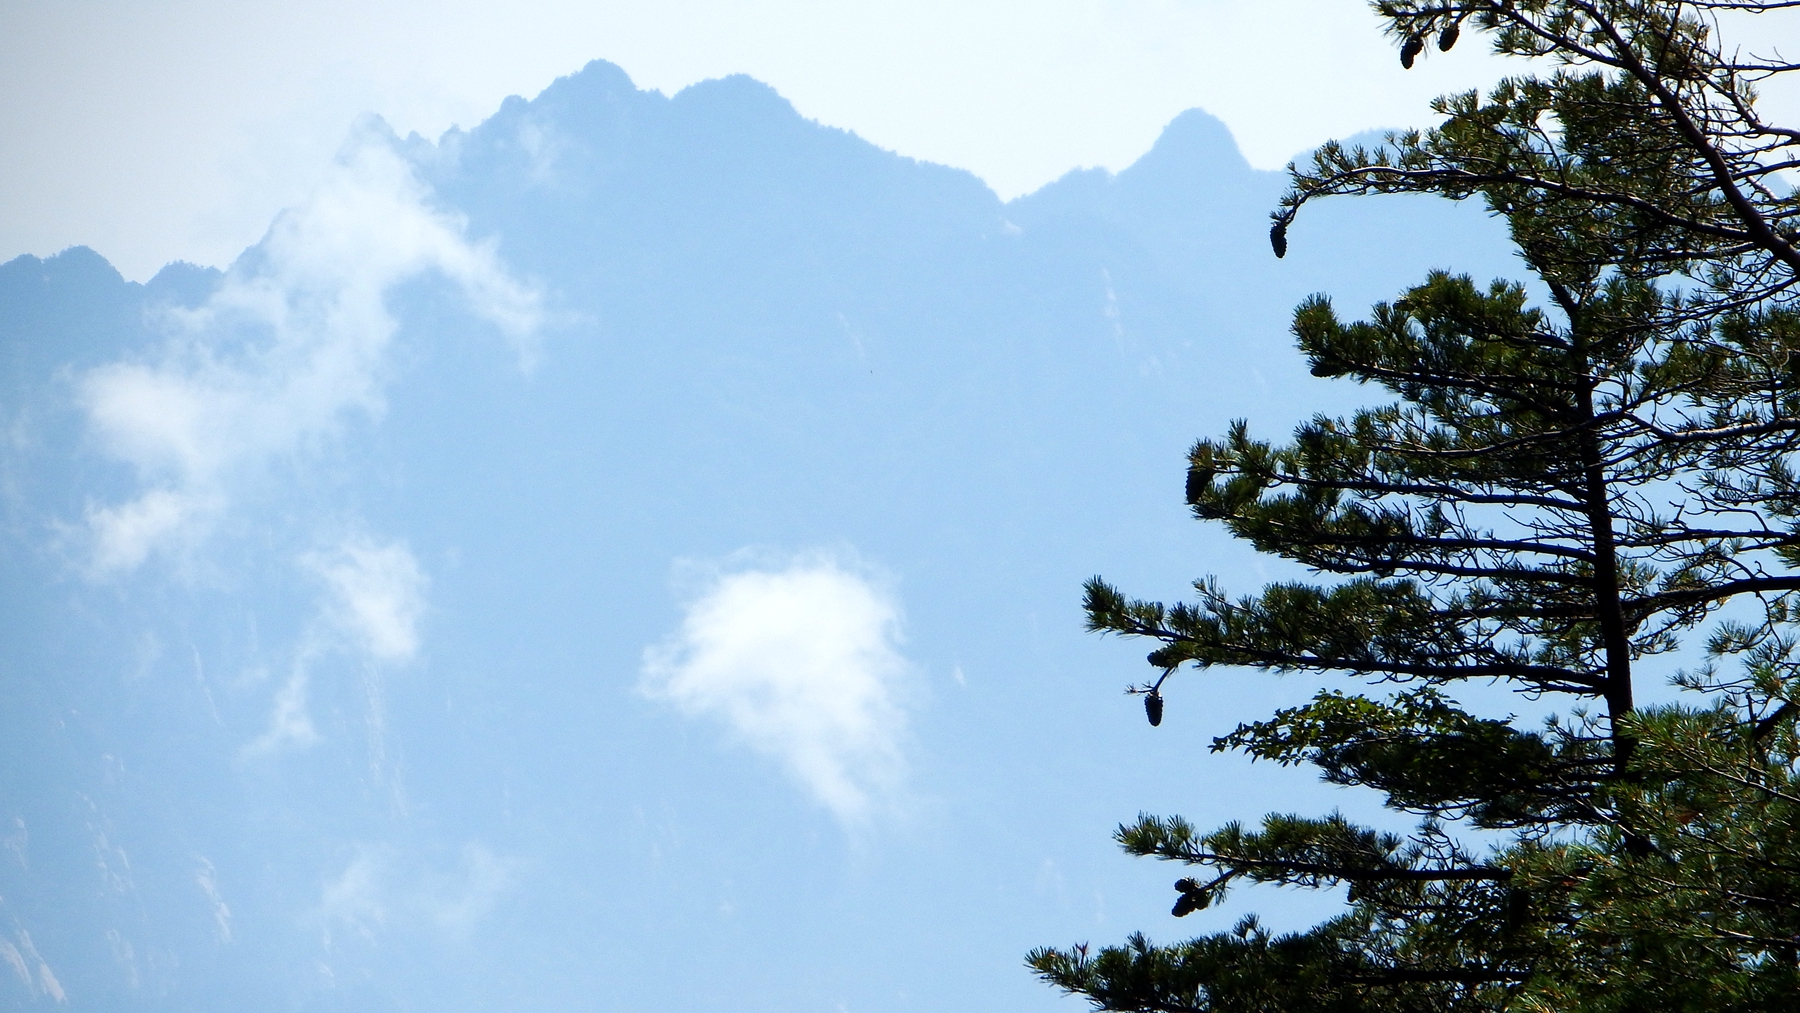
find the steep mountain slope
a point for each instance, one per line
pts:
(331, 697)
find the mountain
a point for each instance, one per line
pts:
(338, 583)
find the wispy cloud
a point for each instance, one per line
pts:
(374, 595)
(208, 882)
(291, 346)
(356, 899)
(290, 724)
(377, 593)
(16, 961)
(802, 661)
(380, 887)
(24, 959)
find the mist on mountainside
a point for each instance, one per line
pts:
(628, 555)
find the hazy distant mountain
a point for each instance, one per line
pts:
(329, 578)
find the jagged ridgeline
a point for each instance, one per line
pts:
(1576, 473)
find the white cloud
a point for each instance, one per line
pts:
(289, 347)
(377, 595)
(803, 663)
(125, 534)
(290, 725)
(380, 887)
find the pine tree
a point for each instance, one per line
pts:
(1556, 493)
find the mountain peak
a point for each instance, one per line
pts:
(1195, 144)
(600, 80)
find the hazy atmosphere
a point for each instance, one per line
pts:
(159, 132)
(585, 507)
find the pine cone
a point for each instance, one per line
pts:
(1415, 44)
(1192, 898)
(1448, 37)
(1153, 708)
(1197, 481)
(1278, 239)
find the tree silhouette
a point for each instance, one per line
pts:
(1561, 487)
